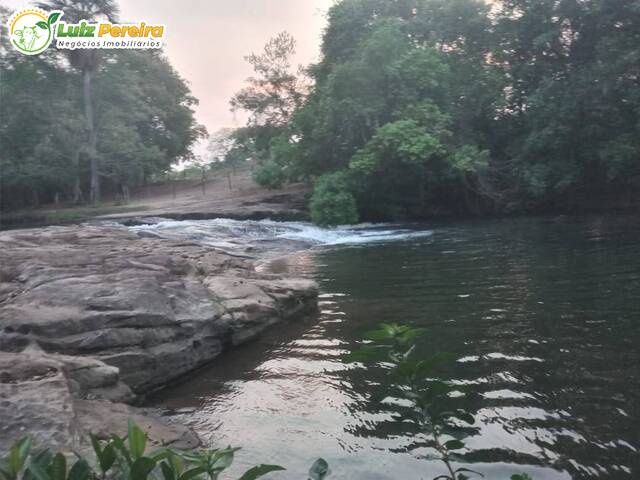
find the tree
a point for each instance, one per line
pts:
(396, 107)
(271, 97)
(143, 118)
(332, 202)
(87, 61)
(461, 106)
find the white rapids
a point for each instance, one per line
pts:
(268, 236)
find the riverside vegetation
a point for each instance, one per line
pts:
(83, 123)
(416, 108)
(438, 107)
(126, 458)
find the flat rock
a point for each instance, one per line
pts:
(91, 315)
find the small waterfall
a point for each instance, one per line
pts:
(268, 238)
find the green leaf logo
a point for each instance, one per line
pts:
(53, 18)
(43, 25)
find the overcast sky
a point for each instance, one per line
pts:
(207, 40)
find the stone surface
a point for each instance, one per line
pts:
(91, 314)
(153, 308)
(48, 397)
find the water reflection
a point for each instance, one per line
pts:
(543, 317)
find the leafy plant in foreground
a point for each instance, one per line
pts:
(437, 408)
(126, 458)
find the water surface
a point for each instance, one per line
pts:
(542, 315)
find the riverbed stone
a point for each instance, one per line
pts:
(121, 314)
(51, 399)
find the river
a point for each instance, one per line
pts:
(542, 315)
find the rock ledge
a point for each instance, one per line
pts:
(91, 315)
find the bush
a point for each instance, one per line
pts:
(127, 458)
(270, 175)
(332, 202)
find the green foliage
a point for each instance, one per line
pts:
(332, 203)
(270, 174)
(459, 106)
(143, 122)
(270, 97)
(403, 141)
(438, 409)
(127, 458)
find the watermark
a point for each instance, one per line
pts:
(33, 30)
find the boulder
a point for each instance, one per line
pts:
(155, 309)
(90, 316)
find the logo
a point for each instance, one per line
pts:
(32, 30)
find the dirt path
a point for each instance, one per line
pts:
(234, 196)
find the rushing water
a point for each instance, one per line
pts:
(542, 315)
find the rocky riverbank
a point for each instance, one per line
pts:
(92, 317)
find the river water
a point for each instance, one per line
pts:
(542, 315)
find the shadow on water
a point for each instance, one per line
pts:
(543, 317)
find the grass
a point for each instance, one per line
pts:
(39, 217)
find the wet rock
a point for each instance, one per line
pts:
(48, 397)
(91, 314)
(155, 309)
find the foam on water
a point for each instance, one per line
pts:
(228, 233)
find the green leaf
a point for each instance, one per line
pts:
(38, 472)
(141, 468)
(18, 455)
(137, 440)
(259, 471)
(521, 476)
(319, 470)
(42, 458)
(194, 472)
(43, 25)
(454, 445)
(79, 471)
(223, 459)
(119, 444)
(176, 463)
(108, 458)
(53, 18)
(167, 471)
(58, 468)
(4, 474)
(95, 443)
(437, 389)
(378, 335)
(465, 417)
(160, 454)
(410, 335)
(368, 353)
(429, 364)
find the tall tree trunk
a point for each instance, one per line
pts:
(77, 190)
(421, 192)
(94, 192)
(126, 196)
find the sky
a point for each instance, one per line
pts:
(207, 40)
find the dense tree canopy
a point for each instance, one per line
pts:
(466, 106)
(143, 121)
